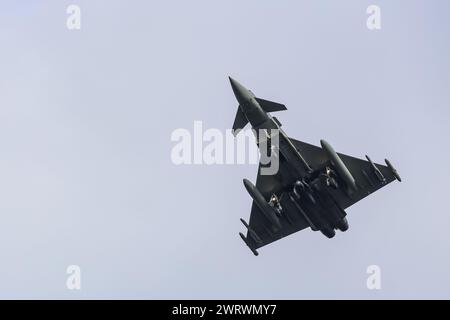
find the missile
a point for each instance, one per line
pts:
(248, 244)
(339, 165)
(376, 170)
(251, 232)
(394, 172)
(262, 204)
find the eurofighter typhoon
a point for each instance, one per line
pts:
(312, 186)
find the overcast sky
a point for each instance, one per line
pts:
(86, 117)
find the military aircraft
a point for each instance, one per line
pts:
(312, 186)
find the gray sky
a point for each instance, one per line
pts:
(85, 123)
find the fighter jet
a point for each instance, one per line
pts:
(313, 185)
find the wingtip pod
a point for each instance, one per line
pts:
(248, 244)
(393, 170)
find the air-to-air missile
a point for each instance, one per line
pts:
(248, 244)
(251, 232)
(377, 171)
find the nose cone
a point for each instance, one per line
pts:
(243, 95)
